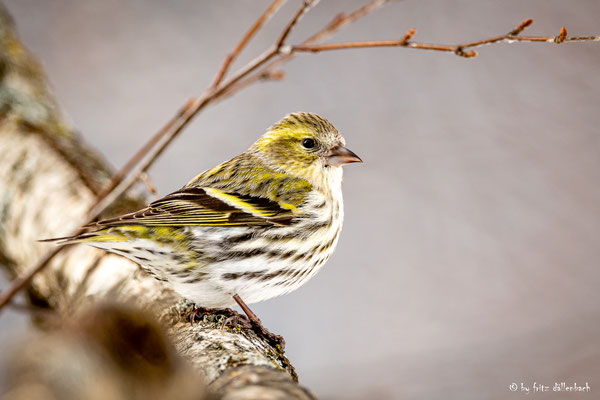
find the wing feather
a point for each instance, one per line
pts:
(205, 207)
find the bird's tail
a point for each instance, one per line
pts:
(111, 234)
(72, 239)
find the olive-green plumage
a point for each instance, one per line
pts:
(258, 225)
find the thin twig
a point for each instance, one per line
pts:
(522, 26)
(145, 177)
(169, 132)
(307, 5)
(458, 49)
(138, 156)
(342, 20)
(240, 46)
(194, 105)
(107, 197)
(21, 282)
(338, 22)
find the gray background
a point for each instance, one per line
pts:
(469, 255)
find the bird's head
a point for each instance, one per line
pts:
(305, 145)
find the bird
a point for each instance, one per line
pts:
(252, 228)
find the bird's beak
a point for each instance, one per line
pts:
(340, 155)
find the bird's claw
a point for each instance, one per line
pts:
(234, 319)
(237, 320)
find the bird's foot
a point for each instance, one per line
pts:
(231, 317)
(234, 319)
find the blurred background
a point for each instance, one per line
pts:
(470, 251)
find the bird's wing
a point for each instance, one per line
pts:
(205, 207)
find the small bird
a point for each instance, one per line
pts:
(255, 227)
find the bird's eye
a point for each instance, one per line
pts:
(308, 143)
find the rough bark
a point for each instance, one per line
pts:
(48, 179)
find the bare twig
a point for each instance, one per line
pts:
(340, 21)
(21, 282)
(145, 177)
(562, 35)
(138, 156)
(353, 45)
(459, 49)
(193, 106)
(119, 184)
(167, 134)
(522, 26)
(307, 5)
(240, 46)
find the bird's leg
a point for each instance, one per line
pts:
(246, 309)
(257, 326)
